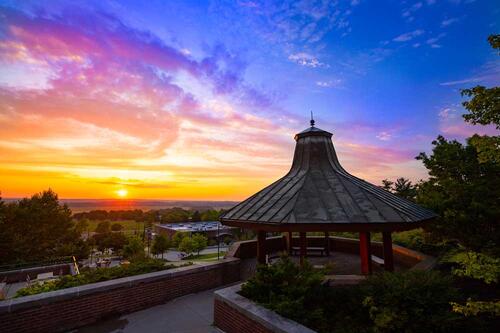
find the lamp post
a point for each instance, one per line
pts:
(218, 241)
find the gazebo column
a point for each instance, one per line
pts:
(303, 247)
(327, 243)
(365, 253)
(288, 236)
(261, 247)
(388, 255)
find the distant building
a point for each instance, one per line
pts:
(208, 228)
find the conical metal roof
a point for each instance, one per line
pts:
(317, 190)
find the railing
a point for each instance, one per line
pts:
(32, 264)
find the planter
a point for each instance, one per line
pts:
(234, 313)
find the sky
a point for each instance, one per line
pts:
(200, 100)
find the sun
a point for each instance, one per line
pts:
(122, 193)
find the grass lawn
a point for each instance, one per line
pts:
(206, 257)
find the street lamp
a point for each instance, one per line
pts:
(218, 241)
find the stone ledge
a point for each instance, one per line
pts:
(267, 318)
(16, 304)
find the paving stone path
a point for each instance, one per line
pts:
(188, 314)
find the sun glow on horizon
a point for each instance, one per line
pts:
(121, 193)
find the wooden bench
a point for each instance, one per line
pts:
(313, 249)
(377, 260)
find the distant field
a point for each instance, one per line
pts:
(85, 205)
(128, 225)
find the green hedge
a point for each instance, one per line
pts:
(97, 275)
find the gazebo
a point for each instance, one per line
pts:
(318, 195)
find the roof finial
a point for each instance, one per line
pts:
(312, 119)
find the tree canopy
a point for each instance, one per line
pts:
(484, 105)
(38, 228)
(160, 245)
(402, 187)
(464, 191)
(464, 183)
(187, 245)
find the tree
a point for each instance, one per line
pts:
(405, 189)
(464, 191)
(115, 241)
(494, 41)
(82, 226)
(484, 106)
(187, 246)
(116, 227)
(103, 227)
(37, 228)
(134, 249)
(402, 187)
(210, 215)
(196, 217)
(387, 185)
(177, 238)
(160, 244)
(464, 187)
(200, 242)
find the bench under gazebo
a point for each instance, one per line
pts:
(318, 195)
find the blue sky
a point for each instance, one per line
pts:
(233, 80)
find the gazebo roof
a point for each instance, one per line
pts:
(318, 194)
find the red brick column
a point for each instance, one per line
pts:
(288, 236)
(388, 255)
(365, 253)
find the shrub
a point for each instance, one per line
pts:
(98, 275)
(475, 265)
(412, 301)
(289, 290)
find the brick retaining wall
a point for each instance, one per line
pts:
(70, 308)
(234, 313)
(230, 320)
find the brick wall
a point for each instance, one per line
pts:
(66, 309)
(234, 313)
(232, 321)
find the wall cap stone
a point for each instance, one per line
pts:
(267, 318)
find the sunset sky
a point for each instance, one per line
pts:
(200, 100)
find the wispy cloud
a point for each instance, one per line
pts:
(306, 59)
(408, 12)
(489, 72)
(468, 80)
(449, 21)
(453, 125)
(408, 36)
(384, 136)
(329, 83)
